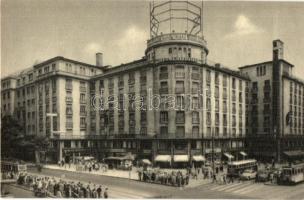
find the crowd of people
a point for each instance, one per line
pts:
(85, 165)
(53, 187)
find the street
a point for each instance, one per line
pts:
(124, 188)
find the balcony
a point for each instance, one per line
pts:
(254, 90)
(267, 88)
(82, 88)
(179, 74)
(267, 100)
(254, 101)
(195, 76)
(131, 81)
(163, 90)
(68, 87)
(179, 90)
(267, 111)
(69, 99)
(83, 113)
(163, 76)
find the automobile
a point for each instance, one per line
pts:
(263, 176)
(248, 174)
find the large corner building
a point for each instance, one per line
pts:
(171, 106)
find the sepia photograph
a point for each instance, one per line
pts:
(158, 99)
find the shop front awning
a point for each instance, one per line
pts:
(198, 158)
(243, 153)
(181, 158)
(296, 153)
(228, 155)
(163, 158)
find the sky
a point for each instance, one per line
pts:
(237, 33)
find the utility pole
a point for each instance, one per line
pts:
(212, 147)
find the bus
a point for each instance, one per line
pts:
(292, 174)
(9, 166)
(236, 168)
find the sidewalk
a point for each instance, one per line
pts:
(124, 174)
(112, 173)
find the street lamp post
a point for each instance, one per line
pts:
(212, 148)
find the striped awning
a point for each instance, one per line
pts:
(228, 155)
(163, 158)
(198, 158)
(243, 153)
(181, 158)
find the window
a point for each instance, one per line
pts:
(180, 131)
(163, 74)
(180, 117)
(180, 102)
(189, 52)
(68, 84)
(170, 50)
(208, 118)
(179, 87)
(216, 79)
(195, 131)
(224, 80)
(69, 110)
(195, 87)
(233, 83)
(131, 78)
(195, 103)
(82, 123)
(217, 118)
(82, 98)
(195, 117)
(30, 76)
(224, 120)
(208, 76)
(208, 104)
(163, 117)
(179, 72)
(163, 130)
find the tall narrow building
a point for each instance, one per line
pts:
(276, 108)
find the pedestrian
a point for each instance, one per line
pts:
(214, 178)
(99, 190)
(105, 194)
(224, 178)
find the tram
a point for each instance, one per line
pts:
(13, 166)
(236, 168)
(292, 174)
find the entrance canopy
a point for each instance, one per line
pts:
(243, 153)
(163, 158)
(181, 158)
(198, 158)
(296, 153)
(228, 155)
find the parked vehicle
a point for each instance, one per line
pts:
(263, 176)
(248, 174)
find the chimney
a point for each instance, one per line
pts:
(278, 49)
(99, 59)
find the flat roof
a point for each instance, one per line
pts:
(266, 62)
